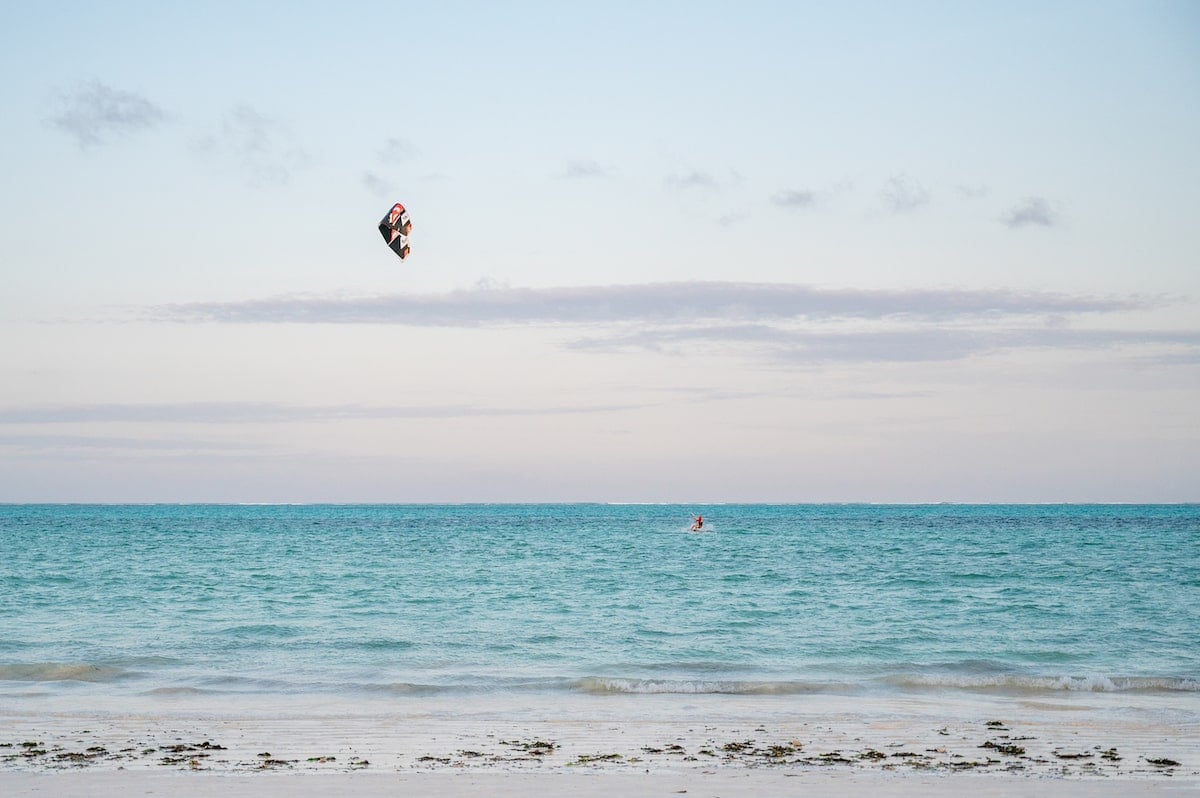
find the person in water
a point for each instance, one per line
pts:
(699, 523)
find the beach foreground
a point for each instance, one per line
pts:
(105, 755)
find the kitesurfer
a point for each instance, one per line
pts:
(699, 523)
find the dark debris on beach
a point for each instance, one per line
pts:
(990, 746)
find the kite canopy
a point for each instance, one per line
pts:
(395, 227)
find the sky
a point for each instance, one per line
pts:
(662, 252)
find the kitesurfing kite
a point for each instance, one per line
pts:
(395, 227)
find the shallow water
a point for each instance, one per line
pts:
(153, 605)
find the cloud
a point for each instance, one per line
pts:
(76, 442)
(259, 146)
(377, 185)
(972, 192)
(653, 303)
(266, 412)
(779, 322)
(701, 181)
(805, 346)
(397, 150)
(795, 199)
(94, 114)
(692, 180)
(807, 198)
(1031, 211)
(582, 169)
(902, 194)
(897, 344)
(394, 151)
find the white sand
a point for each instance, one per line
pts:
(696, 784)
(1060, 751)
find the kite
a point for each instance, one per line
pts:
(395, 227)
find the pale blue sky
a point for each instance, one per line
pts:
(667, 251)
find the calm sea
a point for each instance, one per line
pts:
(382, 603)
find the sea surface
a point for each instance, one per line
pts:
(210, 606)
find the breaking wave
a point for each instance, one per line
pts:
(60, 672)
(601, 685)
(1002, 682)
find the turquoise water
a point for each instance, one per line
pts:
(417, 601)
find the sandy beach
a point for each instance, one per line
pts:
(699, 784)
(389, 755)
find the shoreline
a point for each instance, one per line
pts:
(1074, 747)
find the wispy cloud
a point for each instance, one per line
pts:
(698, 180)
(397, 150)
(650, 303)
(899, 344)
(394, 151)
(94, 113)
(692, 180)
(584, 169)
(261, 147)
(77, 442)
(902, 194)
(268, 412)
(795, 199)
(804, 346)
(972, 191)
(807, 197)
(1031, 211)
(377, 185)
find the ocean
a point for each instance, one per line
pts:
(339, 608)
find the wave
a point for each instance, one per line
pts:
(407, 689)
(598, 685)
(261, 630)
(616, 685)
(60, 672)
(1036, 684)
(994, 682)
(179, 692)
(378, 644)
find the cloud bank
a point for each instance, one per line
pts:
(651, 303)
(783, 323)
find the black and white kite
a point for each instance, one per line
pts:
(395, 227)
